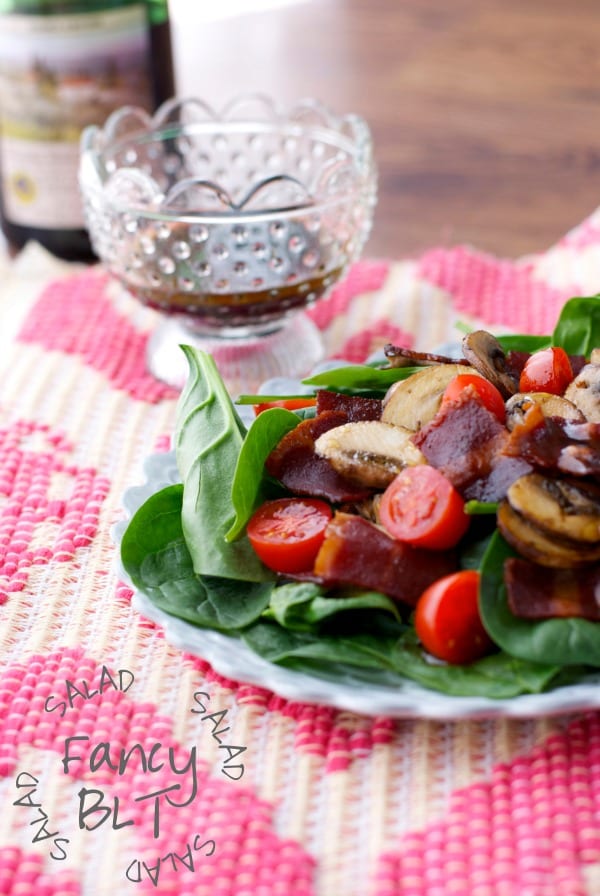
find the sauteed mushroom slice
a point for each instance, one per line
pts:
(565, 508)
(369, 452)
(584, 391)
(551, 406)
(486, 355)
(369, 508)
(534, 544)
(415, 401)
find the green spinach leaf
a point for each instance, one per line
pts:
(577, 330)
(564, 642)
(251, 484)
(303, 606)
(396, 659)
(523, 342)
(208, 440)
(236, 604)
(496, 676)
(578, 326)
(360, 378)
(264, 399)
(473, 550)
(156, 558)
(280, 645)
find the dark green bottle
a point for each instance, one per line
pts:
(65, 64)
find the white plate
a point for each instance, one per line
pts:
(344, 689)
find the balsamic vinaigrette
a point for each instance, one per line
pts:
(236, 308)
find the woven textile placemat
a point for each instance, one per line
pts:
(128, 767)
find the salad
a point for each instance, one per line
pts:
(421, 518)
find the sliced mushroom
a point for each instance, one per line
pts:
(369, 452)
(485, 354)
(565, 508)
(551, 405)
(584, 392)
(369, 508)
(406, 357)
(415, 401)
(534, 544)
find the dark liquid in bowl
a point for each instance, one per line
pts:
(244, 308)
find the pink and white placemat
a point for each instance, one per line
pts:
(128, 767)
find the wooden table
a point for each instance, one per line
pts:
(483, 114)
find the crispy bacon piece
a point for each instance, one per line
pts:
(537, 592)
(295, 463)
(515, 362)
(355, 407)
(406, 357)
(356, 552)
(553, 443)
(578, 362)
(466, 443)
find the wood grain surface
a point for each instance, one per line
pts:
(485, 115)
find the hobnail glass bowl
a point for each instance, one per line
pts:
(230, 222)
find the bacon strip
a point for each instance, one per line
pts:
(553, 443)
(466, 443)
(355, 407)
(538, 592)
(356, 552)
(296, 465)
(407, 357)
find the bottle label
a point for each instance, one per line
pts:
(59, 74)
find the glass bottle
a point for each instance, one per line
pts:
(65, 64)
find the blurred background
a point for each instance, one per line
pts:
(484, 114)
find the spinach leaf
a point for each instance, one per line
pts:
(577, 330)
(360, 378)
(236, 604)
(564, 642)
(523, 342)
(263, 399)
(250, 486)
(473, 551)
(305, 413)
(208, 439)
(303, 606)
(496, 676)
(578, 326)
(155, 556)
(280, 645)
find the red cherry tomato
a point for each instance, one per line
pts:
(447, 619)
(421, 507)
(548, 370)
(287, 533)
(486, 392)
(291, 404)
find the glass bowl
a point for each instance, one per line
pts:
(230, 223)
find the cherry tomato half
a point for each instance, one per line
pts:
(548, 370)
(420, 506)
(287, 533)
(486, 392)
(291, 404)
(447, 619)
